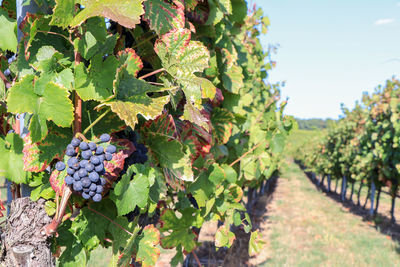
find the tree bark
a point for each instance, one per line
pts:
(359, 193)
(23, 242)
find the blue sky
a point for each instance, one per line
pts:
(331, 51)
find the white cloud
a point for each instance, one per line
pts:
(398, 4)
(383, 21)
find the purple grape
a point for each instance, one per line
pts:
(70, 152)
(103, 181)
(108, 156)
(83, 163)
(99, 168)
(69, 180)
(92, 146)
(7, 72)
(75, 142)
(70, 171)
(60, 166)
(86, 182)
(85, 195)
(105, 138)
(84, 146)
(99, 150)
(95, 160)
(86, 154)
(94, 177)
(76, 166)
(70, 147)
(99, 189)
(93, 187)
(72, 161)
(77, 186)
(96, 198)
(101, 157)
(142, 148)
(77, 177)
(111, 149)
(86, 190)
(82, 173)
(92, 193)
(89, 167)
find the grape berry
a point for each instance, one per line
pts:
(85, 166)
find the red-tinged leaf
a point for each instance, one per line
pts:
(131, 59)
(125, 12)
(191, 4)
(148, 252)
(116, 165)
(57, 181)
(32, 153)
(221, 120)
(10, 7)
(164, 16)
(224, 237)
(174, 43)
(29, 27)
(217, 101)
(163, 124)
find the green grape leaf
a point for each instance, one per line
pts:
(120, 237)
(8, 32)
(181, 233)
(110, 123)
(53, 105)
(239, 11)
(63, 13)
(256, 243)
(90, 227)
(182, 58)
(95, 40)
(170, 154)
(131, 193)
(125, 12)
(148, 252)
(73, 256)
(131, 98)
(96, 83)
(11, 163)
(224, 237)
(164, 16)
(232, 76)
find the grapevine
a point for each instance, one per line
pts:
(144, 120)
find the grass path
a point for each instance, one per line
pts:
(303, 227)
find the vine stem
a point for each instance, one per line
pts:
(115, 223)
(242, 156)
(143, 41)
(51, 228)
(196, 258)
(95, 122)
(58, 34)
(78, 102)
(151, 73)
(4, 78)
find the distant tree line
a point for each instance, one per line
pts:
(312, 124)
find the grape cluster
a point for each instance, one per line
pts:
(86, 166)
(7, 72)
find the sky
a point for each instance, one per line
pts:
(330, 52)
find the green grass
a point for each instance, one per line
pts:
(309, 229)
(299, 138)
